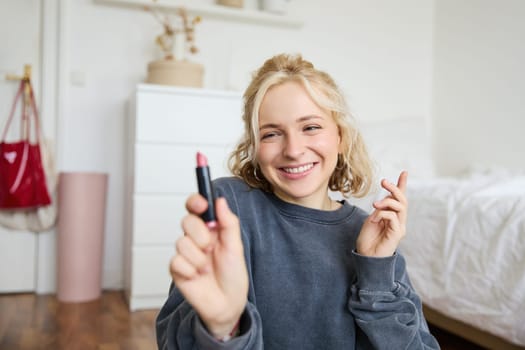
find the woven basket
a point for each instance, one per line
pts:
(181, 73)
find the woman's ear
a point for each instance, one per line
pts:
(340, 141)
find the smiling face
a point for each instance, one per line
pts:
(298, 145)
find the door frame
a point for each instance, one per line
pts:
(53, 65)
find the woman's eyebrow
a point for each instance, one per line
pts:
(269, 126)
(309, 117)
(299, 120)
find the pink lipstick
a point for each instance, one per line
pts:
(206, 189)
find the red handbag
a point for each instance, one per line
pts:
(22, 176)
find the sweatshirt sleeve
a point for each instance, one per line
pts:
(179, 327)
(385, 306)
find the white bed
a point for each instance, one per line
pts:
(465, 243)
(465, 250)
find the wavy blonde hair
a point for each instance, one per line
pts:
(353, 172)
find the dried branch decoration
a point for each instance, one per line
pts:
(173, 26)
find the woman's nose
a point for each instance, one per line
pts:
(293, 146)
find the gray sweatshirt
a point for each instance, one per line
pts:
(308, 289)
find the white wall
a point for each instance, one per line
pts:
(479, 85)
(379, 51)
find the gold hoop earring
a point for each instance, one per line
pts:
(340, 163)
(255, 174)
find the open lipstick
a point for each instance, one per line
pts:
(206, 189)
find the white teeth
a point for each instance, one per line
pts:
(298, 170)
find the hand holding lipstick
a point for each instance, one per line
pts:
(209, 267)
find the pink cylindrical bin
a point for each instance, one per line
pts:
(80, 237)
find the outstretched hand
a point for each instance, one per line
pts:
(386, 226)
(209, 268)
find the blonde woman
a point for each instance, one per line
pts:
(288, 267)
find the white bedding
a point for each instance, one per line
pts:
(465, 249)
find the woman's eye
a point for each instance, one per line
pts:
(268, 135)
(312, 127)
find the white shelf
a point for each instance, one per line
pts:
(212, 11)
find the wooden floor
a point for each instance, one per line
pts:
(29, 321)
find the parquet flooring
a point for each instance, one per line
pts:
(29, 321)
(40, 322)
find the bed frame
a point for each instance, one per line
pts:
(468, 332)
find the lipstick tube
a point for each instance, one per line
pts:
(206, 189)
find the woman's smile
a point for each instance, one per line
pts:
(298, 170)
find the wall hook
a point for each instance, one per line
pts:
(26, 76)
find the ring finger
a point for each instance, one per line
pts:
(191, 252)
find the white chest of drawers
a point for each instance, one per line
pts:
(167, 126)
